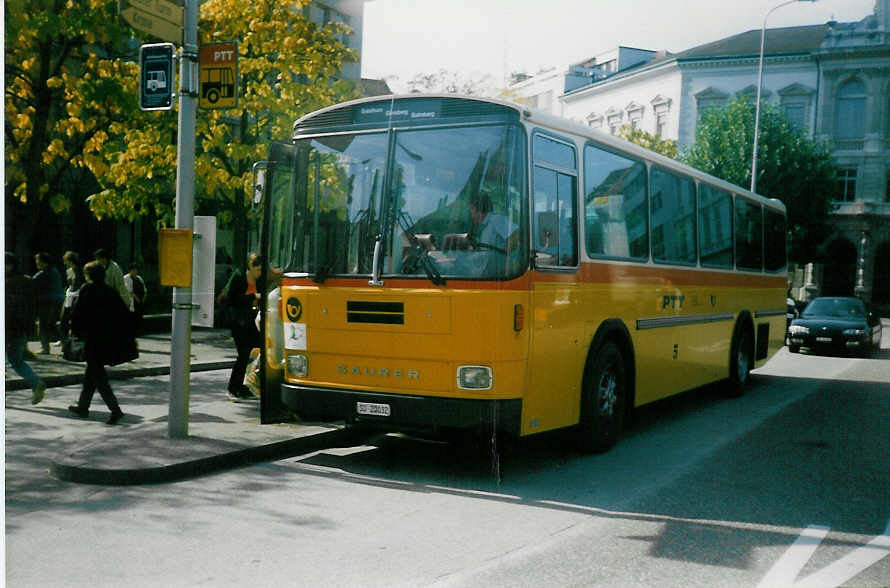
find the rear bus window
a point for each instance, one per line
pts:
(775, 255)
(748, 235)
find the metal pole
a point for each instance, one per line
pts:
(181, 340)
(757, 106)
(759, 84)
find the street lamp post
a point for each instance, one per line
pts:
(759, 83)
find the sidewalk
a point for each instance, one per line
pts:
(222, 434)
(212, 349)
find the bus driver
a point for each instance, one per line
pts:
(483, 251)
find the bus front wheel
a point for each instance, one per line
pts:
(604, 400)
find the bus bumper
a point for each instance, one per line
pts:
(406, 412)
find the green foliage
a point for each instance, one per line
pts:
(666, 147)
(286, 66)
(63, 91)
(790, 167)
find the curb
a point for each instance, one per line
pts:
(119, 374)
(205, 465)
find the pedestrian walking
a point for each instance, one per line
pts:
(20, 312)
(50, 296)
(240, 298)
(105, 324)
(114, 277)
(136, 287)
(74, 280)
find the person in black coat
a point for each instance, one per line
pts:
(103, 321)
(241, 298)
(50, 295)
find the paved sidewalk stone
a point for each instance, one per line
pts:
(221, 434)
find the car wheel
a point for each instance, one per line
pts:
(604, 400)
(794, 348)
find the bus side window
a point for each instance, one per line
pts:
(555, 217)
(555, 227)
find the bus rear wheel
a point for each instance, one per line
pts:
(603, 400)
(741, 361)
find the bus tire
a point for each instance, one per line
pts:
(603, 399)
(741, 360)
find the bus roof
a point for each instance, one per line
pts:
(559, 124)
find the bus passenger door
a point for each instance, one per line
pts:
(552, 395)
(271, 232)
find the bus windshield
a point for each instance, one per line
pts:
(452, 203)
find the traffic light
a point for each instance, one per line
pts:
(156, 76)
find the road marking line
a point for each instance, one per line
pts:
(851, 564)
(792, 561)
(784, 572)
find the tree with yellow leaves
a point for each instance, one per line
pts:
(64, 91)
(287, 67)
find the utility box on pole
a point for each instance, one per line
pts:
(156, 76)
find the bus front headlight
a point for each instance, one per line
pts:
(474, 377)
(297, 365)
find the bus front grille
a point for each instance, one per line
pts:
(381, 313)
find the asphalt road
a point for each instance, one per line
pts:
(787, 485)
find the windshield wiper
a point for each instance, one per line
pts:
(420, 253)
(322, 273)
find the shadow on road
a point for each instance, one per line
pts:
(819, 459)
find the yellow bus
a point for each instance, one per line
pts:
(453, 263)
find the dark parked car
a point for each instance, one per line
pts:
(835, 323)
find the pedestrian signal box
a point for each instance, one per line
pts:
(156, 76)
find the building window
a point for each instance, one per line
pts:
(595, 121)
(660, 124)
(634, 114)
(846, 185)
(614, 119)
(796, 99)
(709, 98)
(661, 107)
(850, 113)
(795, 113)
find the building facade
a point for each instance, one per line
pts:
(832, 81)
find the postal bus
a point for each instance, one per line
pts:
(452, 262)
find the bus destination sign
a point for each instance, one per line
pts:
(397, 111)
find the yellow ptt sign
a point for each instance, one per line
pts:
(219, 75)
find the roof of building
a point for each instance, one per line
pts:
(779, 41)
(801, 39)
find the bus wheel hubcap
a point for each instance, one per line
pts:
(608, 393)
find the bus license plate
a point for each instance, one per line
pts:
(372, 409)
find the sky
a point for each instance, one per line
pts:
(475, 38)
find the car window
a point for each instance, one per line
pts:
(835, 307)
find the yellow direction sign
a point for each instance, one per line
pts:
(165, 9)
(159, 18)
(219, 75)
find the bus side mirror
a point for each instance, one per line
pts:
(259, 182)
